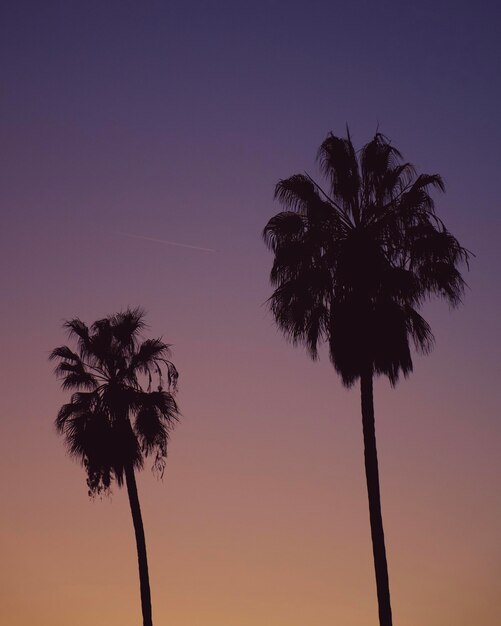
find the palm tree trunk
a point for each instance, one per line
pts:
(141, 546)
(372, 477)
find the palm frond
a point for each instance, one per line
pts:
(338, 161)
(284, 228)
(172, 376)
(424, 181)
(420, 331)
(76, 380)
(79, 331)
(301, 311)
(81, 402)
(297, 193)
(154, 421)
(63, 352)
(127, 326)
(150, 351)
(377, 157)
(158, 408)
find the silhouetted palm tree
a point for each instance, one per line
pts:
(352, 266)
(112, 421)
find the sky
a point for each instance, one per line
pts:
(124, 124)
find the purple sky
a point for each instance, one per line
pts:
(173, 121)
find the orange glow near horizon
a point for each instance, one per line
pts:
(261, 517)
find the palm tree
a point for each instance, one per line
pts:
(114, 419)
(352, 266)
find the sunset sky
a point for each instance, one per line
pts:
(127, 122)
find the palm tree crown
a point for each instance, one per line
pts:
(353, 264)
(113, 421)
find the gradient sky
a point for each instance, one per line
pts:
(173, 120)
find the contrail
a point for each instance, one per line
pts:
(166, 241)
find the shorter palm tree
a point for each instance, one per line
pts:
(114, 419)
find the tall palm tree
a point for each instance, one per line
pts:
(114, 419)
(352, 266)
